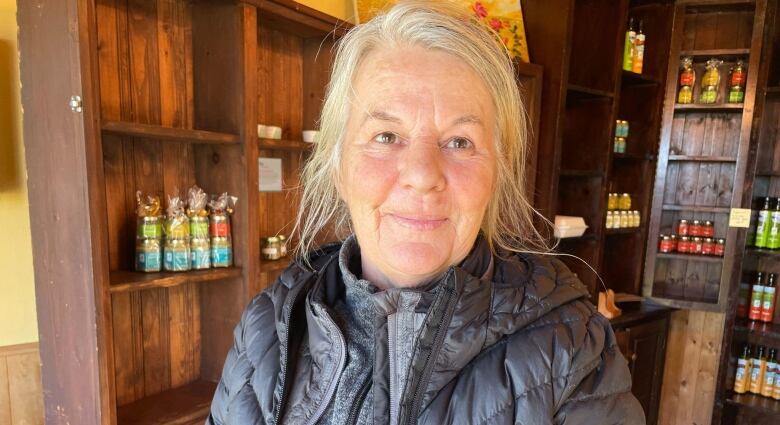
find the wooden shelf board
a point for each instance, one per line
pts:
(756, 403)
(768, 173)
(757, 328)
(723, 107)
(168, 133)
(763, 252)
(633, 79)
(122, 281)
(694, 208)
(579, 93)
(183, 405)
(623, 231)
(280, 144)
(273, 265)
(702, 158)
(689, 257)
(705, 54)
(633, 156)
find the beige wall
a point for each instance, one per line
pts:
(17, 297)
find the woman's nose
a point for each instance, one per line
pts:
(422, 168)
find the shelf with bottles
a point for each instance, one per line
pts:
(757, 372)
(710, 91)
(764, 232)
(634, 52)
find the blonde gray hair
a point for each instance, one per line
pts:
(436, 25)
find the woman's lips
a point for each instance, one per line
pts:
(418, 223)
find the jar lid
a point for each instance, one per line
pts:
(683, 221)
(709, 240)
(721, 240)
(685, 238)
(695, 222)
(666, 238)
(709, 223)
(673, 237)
(625, 194)
(696, 239)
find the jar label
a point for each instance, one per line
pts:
(221, 256)
(201, 258)
(148, 261)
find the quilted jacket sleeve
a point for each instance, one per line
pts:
(598, 389)
(235, 401)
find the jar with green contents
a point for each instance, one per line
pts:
(149, 227)
(199, 227)
(710, 82)
(177, 227)
(177, 255)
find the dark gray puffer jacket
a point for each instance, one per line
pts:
(509, 339)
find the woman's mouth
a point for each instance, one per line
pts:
(418, 222)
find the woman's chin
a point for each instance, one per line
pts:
(416, 259)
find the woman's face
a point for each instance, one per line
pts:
(418, 166)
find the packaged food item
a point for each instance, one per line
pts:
(758, 370)
(773, 238)
(148, 255)
(197, 201)
(624, 202)
(768, 383)
(737, 78)
(683, 228)
(610, 220)
(742, 377)
(720, 247)
(708, 246)
(177, 224)
(628, 46)
(665, 243)
(200, 252)
(177, 255)
(768, 299)
(710, 82)
(221, 252)
(757, 298)
(687, 80)
(612, 201)
(637, 61)
(219, 218)
(271, 249)
(764, 224)
(148, 246)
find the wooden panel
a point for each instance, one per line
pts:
(280, 76)
(724, 30)
(691, 367)
(596, 23)
(21, 393)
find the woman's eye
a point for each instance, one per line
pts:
(459, 143)
(386, 138)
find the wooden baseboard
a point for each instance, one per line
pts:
(21, 392)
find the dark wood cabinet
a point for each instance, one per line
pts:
(641, 336)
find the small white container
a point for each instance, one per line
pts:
(273, 132)
(261, 130)
(569, 227)
(310, 136)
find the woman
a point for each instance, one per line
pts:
(432, 311)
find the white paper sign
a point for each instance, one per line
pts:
(270, 174)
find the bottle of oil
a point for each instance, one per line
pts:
(742, 378)
(764, 224)
(637, 61)
(770, 377)
(758, 370)
(768, 299)
(628, 49)
(756, 298)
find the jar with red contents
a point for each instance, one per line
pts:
(674, 242)
(720, 247)
(684, 244)
(683, 228)
(708, 229)
(708, 246)
(695, 228)
(665, 244)
(697, 246)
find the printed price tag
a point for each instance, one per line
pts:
(739, 217)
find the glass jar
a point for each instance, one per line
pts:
(674, 242)
(708, 246)
(221, 252)
(282, 245)
(695, 229)
(610, 222)
(710, 82)
(687, 80)
(697, 245)
(684, 244)
(720, 247)
(624, 219)
(219, 225)
(624, 203)
(708, 229)
(149, 227)
(271, 249)
(683, 228)
(199, 227)
(665, 244)
(200, 252)
(148, 255)
(612, 201)
(177, 255)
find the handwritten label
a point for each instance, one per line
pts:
(739, 217)
(270, 174)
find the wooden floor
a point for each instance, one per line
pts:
(21, 395)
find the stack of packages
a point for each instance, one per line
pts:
(148, 246)
(197, 233)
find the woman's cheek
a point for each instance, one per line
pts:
(372, 179)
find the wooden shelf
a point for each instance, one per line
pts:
(702, 158)
(695, 208)
(623, 231)
(705, 54)
(280, 144)
(183, 405)
(717, 107)
(756, 403)
(123, 281)
(763, 252)
(159, 132)
(633, 79)
(690, 257)
(767, 173)
(270, 266)
(762, 330)
(577, 93)
(773, 91)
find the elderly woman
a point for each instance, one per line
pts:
(432, 310)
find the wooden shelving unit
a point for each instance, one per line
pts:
(172, 93)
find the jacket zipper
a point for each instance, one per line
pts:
(283, 379)
(421, 381)
(334, 382)
(361, 397)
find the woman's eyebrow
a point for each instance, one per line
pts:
(468, 119)
(386, 116)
